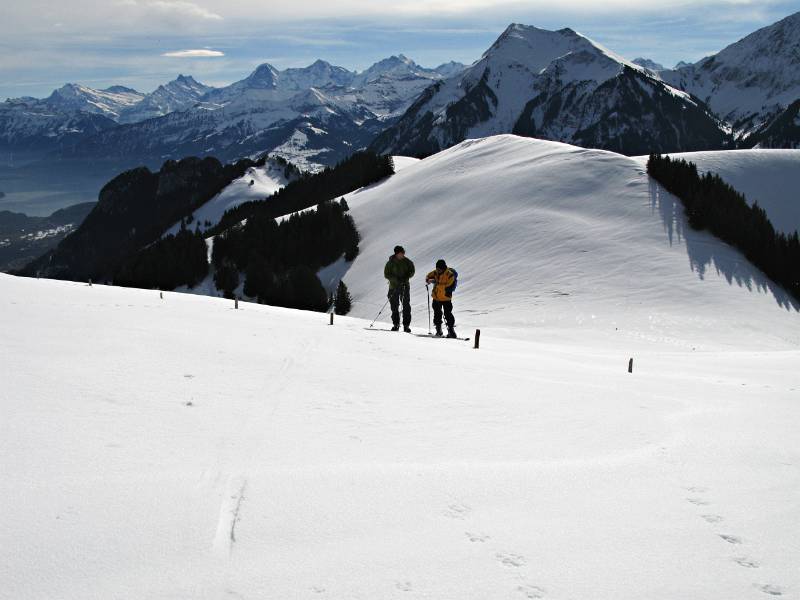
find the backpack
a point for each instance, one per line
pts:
(449, 291)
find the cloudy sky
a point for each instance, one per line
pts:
(142, 43)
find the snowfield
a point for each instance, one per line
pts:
(179, 448)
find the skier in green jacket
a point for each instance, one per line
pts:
(398, 270)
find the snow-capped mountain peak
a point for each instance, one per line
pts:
(319, 74)
(648, 64)
(557, 85)
(179, 94)
(265, 76)
(109, 102)
(751, 81)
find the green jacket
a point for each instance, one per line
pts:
(398, 272)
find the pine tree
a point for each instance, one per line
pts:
(343, 302)
(226, 278)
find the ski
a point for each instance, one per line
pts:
(440, 337)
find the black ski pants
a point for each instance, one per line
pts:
(447, 306)
(401, 293)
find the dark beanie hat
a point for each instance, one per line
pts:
(399, 249)
(440, 264)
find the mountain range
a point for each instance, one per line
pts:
(313, 115)
(557, 85)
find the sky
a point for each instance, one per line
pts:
(143, 43)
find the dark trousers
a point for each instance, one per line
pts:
(438, 305)
(397, 295)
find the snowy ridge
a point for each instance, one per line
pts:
(570, 241)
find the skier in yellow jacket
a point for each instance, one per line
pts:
(444, 282)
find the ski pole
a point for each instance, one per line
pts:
(379, 313)
(427, 293)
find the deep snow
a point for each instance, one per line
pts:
(179, 448)
(334, 462)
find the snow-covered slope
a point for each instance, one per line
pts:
(179, 448)
(556, 85)
(750, 82)
(769, 177)
(564, 242)
(259, 183)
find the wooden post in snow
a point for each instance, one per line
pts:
(236, 302)
(331, 323)
(630, 366)
(161, 295)
(477, 339)
(90, 283)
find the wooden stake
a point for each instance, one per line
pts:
(161, 294)
(630, 366)
(236, 303)
(90, 283)
(477, 339)
(331, 323)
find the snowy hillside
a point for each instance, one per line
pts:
(179, 448)
(769, 177)
(557, 85)
(567, 241)
(258, 183)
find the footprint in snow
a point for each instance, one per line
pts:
(510, 560)
(747, 563)
(698, 501)
(731, 539)
(476, 537)
(697, 490)
(457, 511)
(404, 586)
(531, 591)
(772, 590)
(712, 518)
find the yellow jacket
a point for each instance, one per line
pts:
(442, 284)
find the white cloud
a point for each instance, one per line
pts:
(197, 53)
(182, 8)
